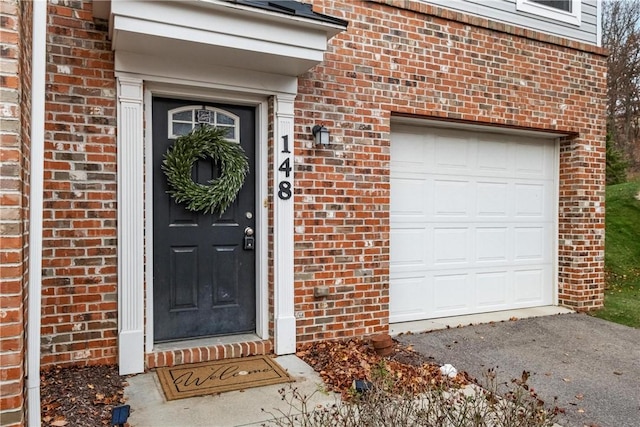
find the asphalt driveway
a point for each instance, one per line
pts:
(591, 365)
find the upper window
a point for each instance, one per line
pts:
(182, 120)
(561, 10)
(565, 5)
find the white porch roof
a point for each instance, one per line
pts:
(250, 35)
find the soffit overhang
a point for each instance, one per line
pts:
(219, 33)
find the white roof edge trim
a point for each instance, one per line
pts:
(485, 128)
(105, 11)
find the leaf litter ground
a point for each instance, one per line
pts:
(341, 362)
(80, 396)
(85, 396)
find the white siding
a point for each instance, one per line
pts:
(506, 11)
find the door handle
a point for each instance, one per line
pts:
(249, 240)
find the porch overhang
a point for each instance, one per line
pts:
(248, 35)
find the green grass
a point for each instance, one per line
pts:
(622, 255)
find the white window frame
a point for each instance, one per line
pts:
(574, 17)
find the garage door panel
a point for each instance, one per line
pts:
(493, 157)
(452, 244)
(452, 294)
(492, 290)
(412, 154)
(491, 244)
(452, 151)
(528, 285)
(409, 298)
(492, 199)
(451, 197)
(472, 215)
(529, 243)
(403, 248)
(530, 159)
(530, 200)
(407, 195)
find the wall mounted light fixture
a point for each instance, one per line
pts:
(320, 135)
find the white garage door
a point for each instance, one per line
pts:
(472, 222)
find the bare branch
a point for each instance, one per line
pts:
(621, 36)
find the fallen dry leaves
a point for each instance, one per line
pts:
(80, 396)
(340, 362)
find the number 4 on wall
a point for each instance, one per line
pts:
(285, 167)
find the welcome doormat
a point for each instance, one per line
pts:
(217, 376)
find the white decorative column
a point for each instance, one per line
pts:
(285, 320)
(130, 226)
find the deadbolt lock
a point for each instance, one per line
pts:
(249, 240)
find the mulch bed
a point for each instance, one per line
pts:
(80, 396)
(341, 362)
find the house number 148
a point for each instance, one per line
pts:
(284, 185)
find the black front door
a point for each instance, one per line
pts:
(204, 280)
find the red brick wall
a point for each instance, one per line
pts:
(391, 60)
(413, 61)
(79, 309)
(15, 33)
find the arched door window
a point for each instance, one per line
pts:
(182, 120)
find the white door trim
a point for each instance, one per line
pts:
(130, 150)
(134, 218)
(284, 316)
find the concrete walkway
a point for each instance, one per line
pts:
(591, 365)
(149, 408)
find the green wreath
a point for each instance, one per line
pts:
(200, 143)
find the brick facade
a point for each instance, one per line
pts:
(15, 72)
(413, 60)
(79, 305)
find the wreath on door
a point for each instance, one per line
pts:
(200, 143)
